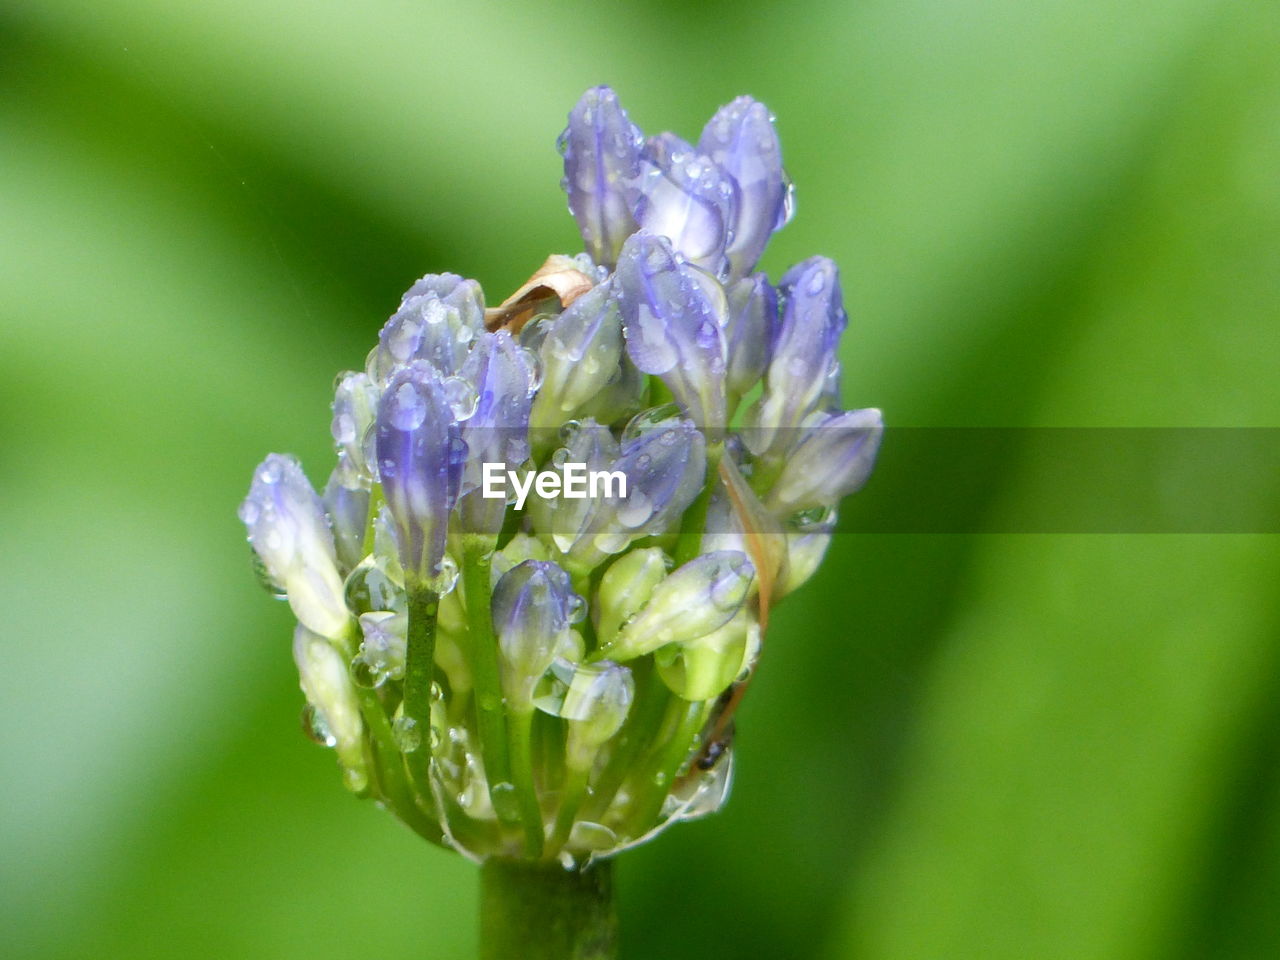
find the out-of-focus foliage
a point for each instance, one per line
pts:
(1047, 213)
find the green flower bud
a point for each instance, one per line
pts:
(702, 669)
(595, 706)
(696, 599)
(335, 719)
(626, 587)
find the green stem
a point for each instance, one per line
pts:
(389, 775)
(639, 732)
(636, 735)
(575, 790)
(477, 555)
(521, 733)
(540, 911)
(659, 777)
(419, 674)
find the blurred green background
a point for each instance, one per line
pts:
(999, 746)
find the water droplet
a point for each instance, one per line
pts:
(577, 609)
(433, 311)
(248, 513)
(363, 675)
(461, 397)
(592, 837)
(369, 588)
(403, 339)
(265, 580)
(788, 205)
(316, 727)
(812, 519)
(505, 802)
(646, 420)
(446, 576)
(408, 408)
(343, 428)
(407, 735)
(271, 472)
(354, 780)
(635, 510)
(817, 282)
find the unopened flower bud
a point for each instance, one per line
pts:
(601, 148)
(348, 509)
(803, 355)
(595, 707)
(420, 458)
(694, 600)
(355, 405)
(833, 460)
(804, 555)
(702, 669)
(383, 647)
(438, 318)
(327, 685)
(673, 318)
(626, 587)
(753, 315)
(533, 608)
(688, 199)
(742, 141)
(497, 431)
(288, 529)
(580, 355)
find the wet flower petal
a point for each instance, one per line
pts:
(288, 529)
(602, 148)
(741, 140)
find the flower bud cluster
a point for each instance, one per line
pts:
(547, 676)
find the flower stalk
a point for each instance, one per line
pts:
(539, 911)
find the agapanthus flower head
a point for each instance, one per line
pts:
(539, 576)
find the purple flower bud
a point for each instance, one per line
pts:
(665, 466)
(355, 403)
(288, 529)
(438, 318)
(688, 199)
(567, 519)
(832, 461)
(601, 148)
(741, 139)
(753, 316)
(420, 457)
(533, 609)
(498, 430)
(803, 355)
(348, 509)
(673, 319)
(581, 355)
(454, 291)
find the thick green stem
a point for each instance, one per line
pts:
(540, 911)
(521, 731)
(477, 555)
(419, 674)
